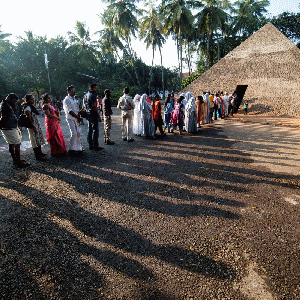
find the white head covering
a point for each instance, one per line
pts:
(207, 99)
(144, 102)
(191, 106)
(137, 103)
(187, 98)
(136, 97)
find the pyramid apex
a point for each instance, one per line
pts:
(267, 39)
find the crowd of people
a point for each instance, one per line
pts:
(140, 116)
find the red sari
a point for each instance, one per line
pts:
(55, 136)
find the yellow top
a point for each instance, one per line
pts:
(211, 99)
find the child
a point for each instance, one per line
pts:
(168, 109)
(246, 108)
(177, 116)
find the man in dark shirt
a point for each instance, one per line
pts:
(10, 130)
(106, 105)
(93, 118)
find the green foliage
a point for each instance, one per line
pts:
(288, 24)
(22, 68)
(249, 16)
(191, 78)
(207, 29)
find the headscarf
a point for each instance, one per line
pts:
(191, 106)
(187, 98)
(137, 96)
(207, 99)
(144, 102)
(137, 103)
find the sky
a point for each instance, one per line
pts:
(52, 18)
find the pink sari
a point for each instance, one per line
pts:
(55, 136)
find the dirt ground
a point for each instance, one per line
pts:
(214, 215)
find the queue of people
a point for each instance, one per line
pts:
(140, 116)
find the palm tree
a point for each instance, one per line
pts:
(190, 41)
(209, 20)
(3, 36)
(81, 42)
(151, 31)
(110, 42)
(120, 16)
(249, 16)
(178, 20)
(5, 47)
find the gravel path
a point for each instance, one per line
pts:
(207, 216)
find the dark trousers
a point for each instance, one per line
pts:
(93, 132)
(159, 123)
(230, 109)
(216, 110)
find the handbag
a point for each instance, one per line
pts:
(24, 121)
(83, 113)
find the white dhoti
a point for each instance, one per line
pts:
(75, 130)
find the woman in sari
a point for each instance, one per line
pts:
(55, 136)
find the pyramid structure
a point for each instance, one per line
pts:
(269, 63)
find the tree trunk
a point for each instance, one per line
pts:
(162, 72)
(116, 51)
(218, 47)
(151, 70)
(180, 58)
(133, 63)
(207, 51)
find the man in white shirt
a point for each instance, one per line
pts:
(126, 105)
(71, 109)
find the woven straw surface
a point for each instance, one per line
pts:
(269, 63)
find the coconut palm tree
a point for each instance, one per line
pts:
(82, 44)
(211, 19)
(3, 35)
(249, 15)
(110, 42)
(151, 30)
(178, 20)
(120, 16)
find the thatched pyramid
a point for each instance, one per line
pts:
(269, 63)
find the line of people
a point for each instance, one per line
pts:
(183, 113)
(12, 134)
(189, 113)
